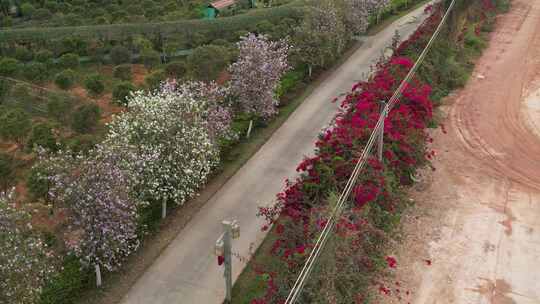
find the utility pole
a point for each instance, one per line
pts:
(223, 250)
(381, 131)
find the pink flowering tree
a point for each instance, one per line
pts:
(217, 108)
(103, 213)
(256, 74)
(26, 263)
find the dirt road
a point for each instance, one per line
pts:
(475, 236)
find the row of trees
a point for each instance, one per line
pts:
(63, 13)
(329, 26)
(162, 149)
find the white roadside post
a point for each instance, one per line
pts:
(223, 248)
(249, 128)
(98, 275)
(164, 208)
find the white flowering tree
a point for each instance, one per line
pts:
(172, 150)
(26, 263)
(255, 75)
(103, 213)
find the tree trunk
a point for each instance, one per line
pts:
(164, 209)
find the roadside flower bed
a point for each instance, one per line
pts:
(356, 247)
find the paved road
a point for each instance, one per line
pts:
(187, 272)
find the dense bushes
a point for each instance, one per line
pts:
(176, 70)
(355, 250)
(121, 91)
(154, 79)
(15, 125)
(42, 135)
(8, 66)
(82, 143)
(206, 62)
(37, 183)
(35, 71)
(65, 79)
(59, 108)
(86, 118)
(224, 28)
(66, 286)
(123, 72)
(94, 84)
(6, 170)
(120, 54)
(69, 61)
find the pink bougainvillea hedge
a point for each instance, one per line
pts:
(356, 248)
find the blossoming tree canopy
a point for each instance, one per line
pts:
(256, 74)
(102, 211)
(173, 152)
(25, 261)
(215, 101)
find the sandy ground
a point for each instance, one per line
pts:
(474, 236)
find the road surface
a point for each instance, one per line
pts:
(187, 271)
(478, 219)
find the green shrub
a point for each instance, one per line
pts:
(67, 286)
(20, 92)
(65, 79)
(74, 44)
(120, 54)
(82, 143)
(6, 21)
(4, 89)
(288, 82)
(474, 42)
(41, 14)
(44, 56)
(94, 84)
(23, 54)
(175, 69)
(123, 72)
(42, 135)
(27, 10)
(154, 79)
(59, 108)
(207, 62)
(15, 125)
(264, 27)
(69, 61)
(35, 71)
(121, 91)
(37, 183)
(8, 66)
(86, 118)
(6, 170)
(150, 58)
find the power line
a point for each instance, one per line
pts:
(323, 237)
